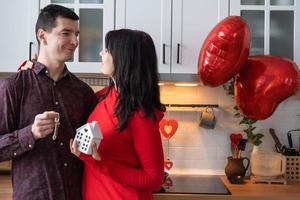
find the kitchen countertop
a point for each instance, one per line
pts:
(245, 191)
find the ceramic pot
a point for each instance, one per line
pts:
(235, 169)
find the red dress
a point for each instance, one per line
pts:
(132, 163)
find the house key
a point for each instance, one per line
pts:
(56, 121)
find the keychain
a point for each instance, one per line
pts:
(56, 121)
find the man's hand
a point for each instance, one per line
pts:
(43, 124)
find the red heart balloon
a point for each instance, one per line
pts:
(168, 164)
(224, 51)
(263, 83)
(168, 127)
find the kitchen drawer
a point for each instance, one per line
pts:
(5, 166)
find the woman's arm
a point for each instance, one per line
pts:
(148, 146)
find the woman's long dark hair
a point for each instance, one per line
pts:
(135, 74)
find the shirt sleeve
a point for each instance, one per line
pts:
(12, 142)
(148, 146)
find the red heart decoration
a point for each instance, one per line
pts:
(168, 127)
(168, 164)
(168, 183)
(235, 138)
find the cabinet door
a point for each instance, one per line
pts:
(178, 27)
(274, 26)
(192, 20)
(18, 30)
(153, 17)
(96, 19)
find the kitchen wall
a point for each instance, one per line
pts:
(196, 150)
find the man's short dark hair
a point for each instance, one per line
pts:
(49, 14)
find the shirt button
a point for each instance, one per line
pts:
(54, 84)
(56, 102)
(29, 145)
(61, 144)
(15, 153)
(65, 164)
(46, 71)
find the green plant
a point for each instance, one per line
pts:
(254, 138)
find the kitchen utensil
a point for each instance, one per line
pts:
(278, 146)
(290, 140)
(208, 119)
(291, 151)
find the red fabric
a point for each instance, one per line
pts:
(131, 165)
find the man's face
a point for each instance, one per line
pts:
(62, 41)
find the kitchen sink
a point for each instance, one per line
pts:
(194, 184)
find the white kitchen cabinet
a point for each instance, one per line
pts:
(274, 26)
(178, 27)
(96, 19)
(18, 30)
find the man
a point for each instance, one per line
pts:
(32, 101)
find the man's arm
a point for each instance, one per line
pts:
(12, 142)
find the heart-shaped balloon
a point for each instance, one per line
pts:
(168, 127)
(263, 83)
(224, 51)
(168, 164)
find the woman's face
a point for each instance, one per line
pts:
(107, 63)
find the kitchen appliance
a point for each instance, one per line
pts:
(194, 184)
(267, 164)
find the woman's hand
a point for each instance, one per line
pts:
(74, 148)
(28, 65)
(76, 152)
(95, 153)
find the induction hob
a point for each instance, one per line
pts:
(194, 184)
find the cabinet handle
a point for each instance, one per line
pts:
(30, 49)
(178, 52)
(164, 53)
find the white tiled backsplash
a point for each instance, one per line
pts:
(196, 150)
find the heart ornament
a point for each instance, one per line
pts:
(168, 127)
(168, 164)
(168, 183)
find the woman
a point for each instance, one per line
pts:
(128, 113)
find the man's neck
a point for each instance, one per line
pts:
(55, 69)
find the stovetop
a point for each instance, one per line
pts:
(194, 184)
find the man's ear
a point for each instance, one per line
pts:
(42, 37)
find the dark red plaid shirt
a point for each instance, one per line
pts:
(43, 169)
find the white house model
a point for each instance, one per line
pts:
(86, 135)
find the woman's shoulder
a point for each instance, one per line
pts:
(101, 92)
